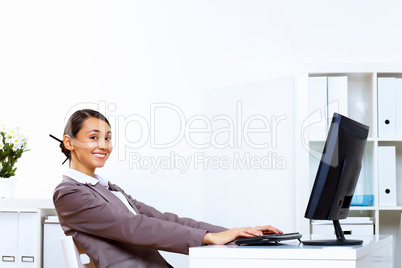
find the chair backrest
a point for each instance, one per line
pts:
(74, 256)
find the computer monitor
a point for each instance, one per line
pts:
(337, 176)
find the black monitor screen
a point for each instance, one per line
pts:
(338, 173)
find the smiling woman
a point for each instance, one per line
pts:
(112, 228)
(76, 122)
(90, 147)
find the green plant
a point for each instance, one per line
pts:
(12, 145)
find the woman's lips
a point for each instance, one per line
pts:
(99, 155)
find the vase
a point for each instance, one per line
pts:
(7, 187)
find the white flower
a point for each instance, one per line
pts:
(24, 143)
(13, 137)
(11, 133)
(16, 142)
(13, 140)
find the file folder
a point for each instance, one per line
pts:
(8, 239)
(387, 175)
(337, 96)
(386, 107)
(52, 249)
(28, 239)
(398, 104)
(317, 97)
(361, 182)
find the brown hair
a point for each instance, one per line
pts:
(75, 124)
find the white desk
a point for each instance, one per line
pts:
(376, 252)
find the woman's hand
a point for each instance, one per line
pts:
(268, 229)
(232, 234)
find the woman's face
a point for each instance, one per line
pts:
(91, 146)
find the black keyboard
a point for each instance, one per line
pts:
(267, 239)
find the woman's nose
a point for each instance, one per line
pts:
(101, 144)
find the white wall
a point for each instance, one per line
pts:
(200, 56)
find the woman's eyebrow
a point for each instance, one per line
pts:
(94, 130)
(98, 131)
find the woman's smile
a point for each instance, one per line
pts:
(100, 155)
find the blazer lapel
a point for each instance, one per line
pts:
(114, 187)
(107, 195)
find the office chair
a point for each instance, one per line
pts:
(74, 256)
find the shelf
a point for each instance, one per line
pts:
(390, 140)
(398, 208)
(25, 204)
(360, 96)
(362, 208)
(22, 219)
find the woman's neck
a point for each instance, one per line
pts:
(83, 169)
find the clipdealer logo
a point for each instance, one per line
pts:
(167, 127)
(200, 160)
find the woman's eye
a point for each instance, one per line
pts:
(108, 138)
(93, 138)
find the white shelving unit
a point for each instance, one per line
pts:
(28, 214)
(362, 107)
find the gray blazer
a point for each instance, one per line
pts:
(112, 236)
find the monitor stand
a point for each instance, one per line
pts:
(340, 241)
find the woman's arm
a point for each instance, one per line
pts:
(216, 234)
(171, 217)
(228, 236)
(80, 208)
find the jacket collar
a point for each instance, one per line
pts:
(85, 179)
(98, 185)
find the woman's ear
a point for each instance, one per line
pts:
(67, 142)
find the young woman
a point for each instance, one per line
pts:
(112, 228)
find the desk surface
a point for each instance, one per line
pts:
(294, 250)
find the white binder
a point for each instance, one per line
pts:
(386, 107)
(387, 175)
(52, 249)
(8, 239)
(361, 182)
(317, 97)
(27, 239)
(398, 109)
(337, 96)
